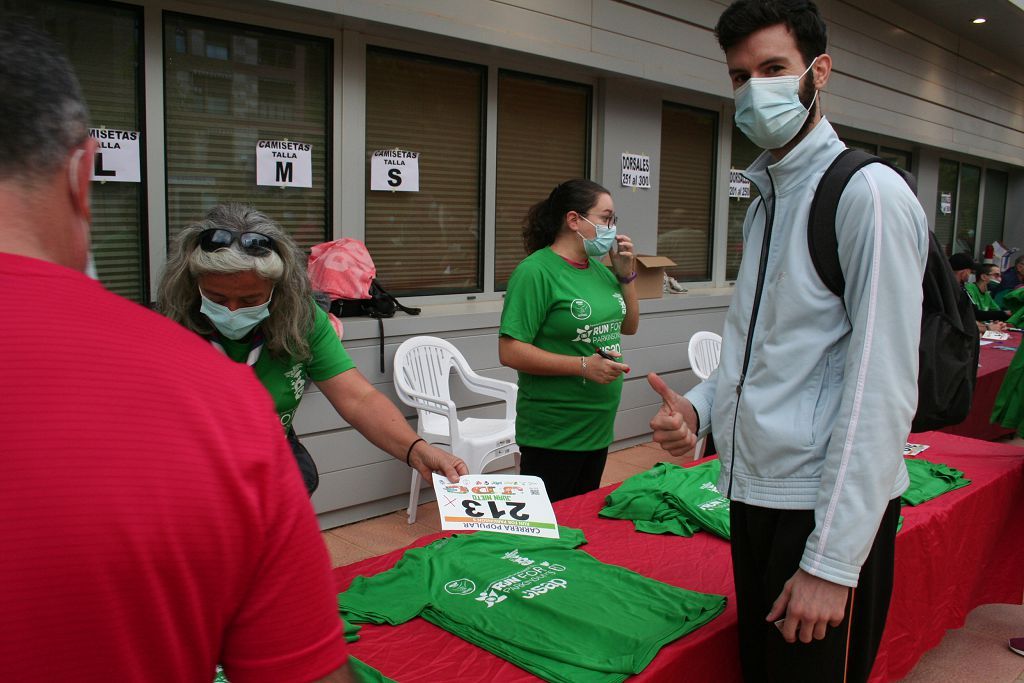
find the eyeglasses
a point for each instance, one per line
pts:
(252, 243)
(614, 220)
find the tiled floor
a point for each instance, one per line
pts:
(976, 653)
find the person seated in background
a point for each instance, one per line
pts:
(1013, 277)
(979, 292)
(963, 266)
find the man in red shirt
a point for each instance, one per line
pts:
(152, 519)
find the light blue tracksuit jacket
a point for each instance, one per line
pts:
(811, 403)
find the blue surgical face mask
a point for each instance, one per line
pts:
(237, 323)
(769, 111)
(603, 240)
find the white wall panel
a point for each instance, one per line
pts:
(357, 480)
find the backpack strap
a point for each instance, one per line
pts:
(822, 241)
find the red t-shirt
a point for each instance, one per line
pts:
(152, 519)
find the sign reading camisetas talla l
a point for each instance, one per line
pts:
(117, 157)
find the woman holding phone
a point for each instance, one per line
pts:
(561, 328)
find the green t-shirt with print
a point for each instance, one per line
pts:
(983, 301)
(930, 480)
(552, 610)
(568, 311)
(669, 499)
(285, 378)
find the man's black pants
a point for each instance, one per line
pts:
(767, 546)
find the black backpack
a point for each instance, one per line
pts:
(379, 304)
(949, 336)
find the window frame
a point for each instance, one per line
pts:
(715, 221)
(330, 132)
(588, 153)
(481, 251)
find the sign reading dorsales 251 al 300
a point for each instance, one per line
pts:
(284, 163)
(117, 156)
(636, 171)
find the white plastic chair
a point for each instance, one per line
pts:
(705, 349)
(422, 368)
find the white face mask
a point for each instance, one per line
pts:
(604, 238)
(769, 111)
(237, 323)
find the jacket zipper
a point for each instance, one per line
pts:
(761, 272)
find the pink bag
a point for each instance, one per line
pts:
(342, 268)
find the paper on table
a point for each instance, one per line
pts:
(506, 503)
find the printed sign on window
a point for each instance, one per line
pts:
(117, 157)
(946, 202)
(395, 170)
(636, 171)
(739, 186)
(284, 163)
(506, 503)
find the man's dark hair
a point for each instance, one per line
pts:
(42, 113)
(984, 268)
(801, 17)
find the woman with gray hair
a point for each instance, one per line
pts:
(237, 279)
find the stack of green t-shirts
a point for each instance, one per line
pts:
(669, 499)
(361, 673)
(537, 602)
(930, 480)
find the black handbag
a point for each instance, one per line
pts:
(307, 468)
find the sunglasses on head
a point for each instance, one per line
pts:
(252, 243)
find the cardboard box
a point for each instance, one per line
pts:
(650, 276)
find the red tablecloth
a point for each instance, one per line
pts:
(991, 371)
(954, 553)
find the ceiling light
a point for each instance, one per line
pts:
(979, 20)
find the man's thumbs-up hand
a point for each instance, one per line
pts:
(675, 423)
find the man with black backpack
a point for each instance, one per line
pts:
(815, 393)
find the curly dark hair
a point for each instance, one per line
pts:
(801, 17)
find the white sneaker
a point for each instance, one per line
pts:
(672, 285)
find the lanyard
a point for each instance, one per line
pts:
(255, 347)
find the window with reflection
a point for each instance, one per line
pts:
(543, 139)
(430, 241)
(227, 86)
(102, 44)
(686, 190)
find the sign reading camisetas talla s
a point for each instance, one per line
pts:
(395, 170)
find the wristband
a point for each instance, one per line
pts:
(411, 446)
(583, 368)
(627, 278)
